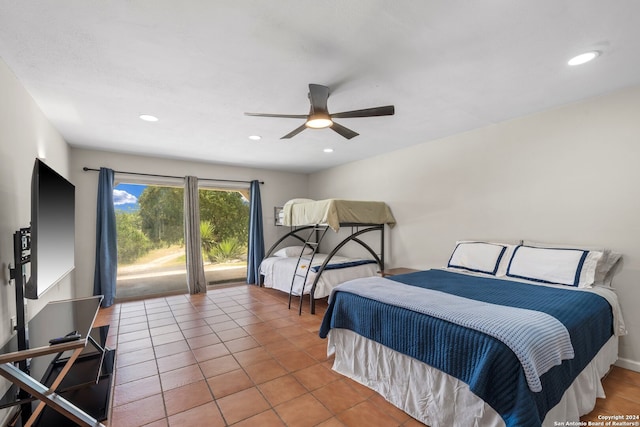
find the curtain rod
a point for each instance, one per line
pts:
(172, 176)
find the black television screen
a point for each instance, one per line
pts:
(52, 229)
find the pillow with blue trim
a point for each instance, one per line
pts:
(479, 257)
(560, 266)
(292, 251)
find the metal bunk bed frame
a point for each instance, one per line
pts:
(313, 240)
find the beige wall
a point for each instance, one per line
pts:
(24, 135)
(569, 175)
(278, 187)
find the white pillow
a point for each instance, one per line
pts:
(480, 257)
(292, 251)
(562, 266)
(604, 270)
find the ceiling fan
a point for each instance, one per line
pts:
(319, 117)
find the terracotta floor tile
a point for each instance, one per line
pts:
(210, 352)
(192, 324)
(252, 356)
(219, 327)
(133, 336)
(156, 323)
(303, 411)
(318, 352)
(282, 389)
(186, 397)
(331, 422)
(235, 408)
(135, 372)
(232, 334)
(160, 423)
(124, 328)
(207, 414)
(265, 419)
(241, 344)
(220, 365)
(203, 340)
(171, 348)
(229, 383)
(366, 414)
(140, 344)
(315, 376)
(175, 361)
(161, 330)
(180, 377)
(295, 360)
(130, 415)
(197, 331)
(244, 317)
(136, 390)
(383, 405)
(338, 396)
(268, 337)
(217, 319)
(134, 357)
(167, 338)
(278, 348)
(262, 372)
(154, 314)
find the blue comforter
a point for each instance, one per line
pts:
(488, 366)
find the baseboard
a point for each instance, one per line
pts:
(628, 364)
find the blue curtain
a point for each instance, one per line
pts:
(104, 279)
(256, 236)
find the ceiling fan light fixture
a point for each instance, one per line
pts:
(583, 58)
(319, 121)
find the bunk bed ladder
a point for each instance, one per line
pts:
(316, 235)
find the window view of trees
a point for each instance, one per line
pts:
(151, 235)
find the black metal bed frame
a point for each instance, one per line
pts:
(357, 230)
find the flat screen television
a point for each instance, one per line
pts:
(52, 229)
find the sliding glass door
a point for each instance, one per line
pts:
(151, 257)
(224, 225)
(151, 252)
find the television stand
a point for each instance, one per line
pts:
(64, 378)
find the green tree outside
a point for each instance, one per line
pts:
(159, 223)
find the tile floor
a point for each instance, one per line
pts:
(236, 356)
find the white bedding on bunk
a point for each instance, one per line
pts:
(278, 271)
(440, 400)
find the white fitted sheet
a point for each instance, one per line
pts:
(278, 272)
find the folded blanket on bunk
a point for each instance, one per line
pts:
(346, 264)
(490, 368)
(539, 340)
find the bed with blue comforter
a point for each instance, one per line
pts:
(518, 346)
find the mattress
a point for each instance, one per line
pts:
(334, 212)
(278, 272)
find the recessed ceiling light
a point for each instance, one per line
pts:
(328, 150)
(584, 58)
(148, 118)
(255, 137)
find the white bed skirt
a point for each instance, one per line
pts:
(440, 400)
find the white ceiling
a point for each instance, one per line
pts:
(448, 66)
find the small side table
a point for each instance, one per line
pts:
(396, 271)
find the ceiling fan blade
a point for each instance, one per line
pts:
(346, 132)
(318, 95)
(286, 116)
(387, 110)
(294, 132)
